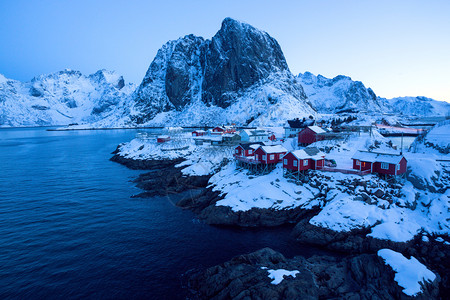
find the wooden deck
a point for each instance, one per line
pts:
(247, 159)
(344, 171)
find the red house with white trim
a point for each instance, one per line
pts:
(381, 163)
(305, 159)
(310, 135)
(247, 149)
(270, 154)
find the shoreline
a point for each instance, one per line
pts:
(353, 243)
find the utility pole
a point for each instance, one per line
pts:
(401, 147)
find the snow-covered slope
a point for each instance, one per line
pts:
(239, 76)
(63, 98)
(342, 94)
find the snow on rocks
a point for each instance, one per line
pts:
(410, 273)
(279, 274)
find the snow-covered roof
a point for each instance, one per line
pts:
(302, 154)
(316, 129)
(163, 137)
(273, 149)
(377, 157)
(199, 131)
(247, 146)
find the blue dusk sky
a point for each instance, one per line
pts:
(398, 48)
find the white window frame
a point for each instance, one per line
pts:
(358, 162)
(256, 156)
(305, 162)
(237, 151)
(250, 151)
(285, 161)
(295, 163)
(384, 166)
(272, 156)
(264, 157)
(398, 167)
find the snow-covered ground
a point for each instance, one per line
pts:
(409, 272)
(395, 212)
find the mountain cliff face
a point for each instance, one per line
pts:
(418, 106)
(203, 77)
(62, 98)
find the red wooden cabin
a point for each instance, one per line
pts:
(198, 133)
(247, 149)
(310, 135)
(305, 159)
(270, 154)
(382, 163)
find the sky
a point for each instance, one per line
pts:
(398, 48)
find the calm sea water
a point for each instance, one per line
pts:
(69, 229)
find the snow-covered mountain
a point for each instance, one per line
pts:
(339, 94)
(63, 98)
(342, 94)
(239, 76)
(418, 106)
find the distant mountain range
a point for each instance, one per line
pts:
(63, 98)
(239, 76)
(342, 94)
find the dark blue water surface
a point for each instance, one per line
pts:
(69, 229)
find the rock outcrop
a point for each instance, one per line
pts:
(319, 277)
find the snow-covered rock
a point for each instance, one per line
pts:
(63, 98)
(409, 272)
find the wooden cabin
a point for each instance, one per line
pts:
(381, 163)
(309, 135)
(247, 149)
(218, 130)
(199, 133)
(254, 135)
(270, 154)
(162, 139)
(306, 159)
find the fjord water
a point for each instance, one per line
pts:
(69, 229)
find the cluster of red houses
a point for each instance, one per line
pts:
(260, 157)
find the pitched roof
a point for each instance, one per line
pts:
(316, 129)
(312, 151)
(273, 149)
(303, 154)
(377, 157)
(248, 146)
(297, 123)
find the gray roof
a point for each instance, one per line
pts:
(377, 157)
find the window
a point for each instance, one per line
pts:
(237, 150)
(264, 157)
(295, 163)
(250, 151)
(358, 162)
(305, 162)
(272, 156)
(385, 166)
(285, 161)
(398, 167)
(256, 156)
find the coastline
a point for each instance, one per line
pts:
(353, 243)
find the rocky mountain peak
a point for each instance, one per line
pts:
(212, 72)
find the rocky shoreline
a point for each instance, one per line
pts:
(164, 178)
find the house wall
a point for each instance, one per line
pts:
(403, 166)
(276, 156)
(365, 165)
(317, 164)
(377, 168)
(307, 136)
